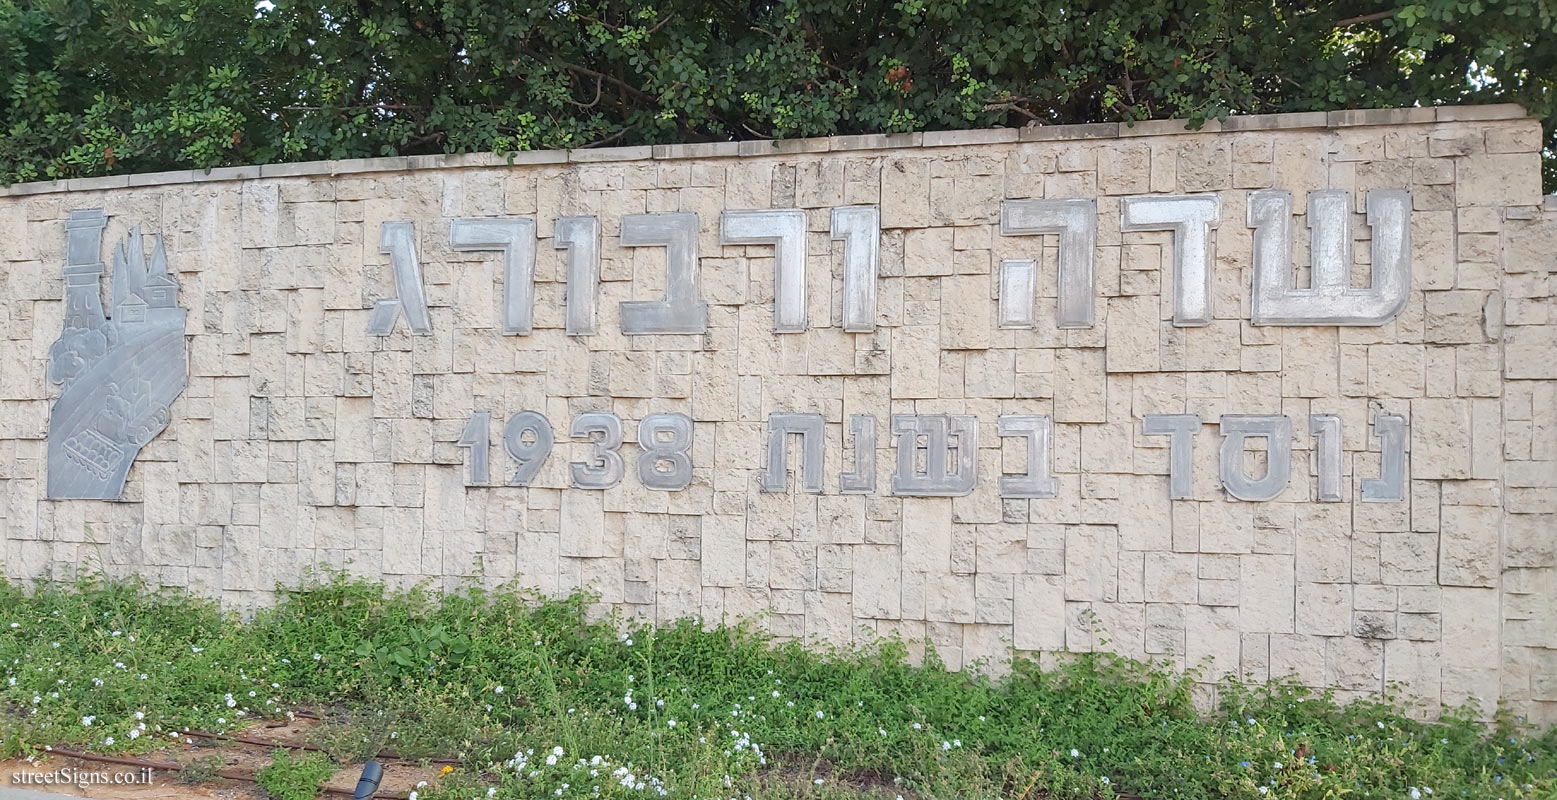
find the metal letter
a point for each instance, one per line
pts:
(1326, 429)
(672, 450)
(1018, 289)
(1191, 217)
(812, 429)
(863, 479)
(580, 236)
(1331, 300)
(942, 435)
(516, 238)
(786, 231)
(477, 439)
(1390, 486)
(1276, 430)
(1180, 428)
(398, 239)
(120, 374)
(682, 310)
(604, 468)
(1037, 482)
(860, 229)
(1076, 223)
(531, 455)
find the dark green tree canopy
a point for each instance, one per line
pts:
(94, 87)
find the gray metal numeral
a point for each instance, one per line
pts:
(665, 439)
(528, 439)
(476, 439)
(604, 468)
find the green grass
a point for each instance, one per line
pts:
(537, 701)
(290, 777)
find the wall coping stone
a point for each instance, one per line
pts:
(1301, 120)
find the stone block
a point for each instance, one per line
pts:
(1040, 613)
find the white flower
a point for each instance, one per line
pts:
(16, 625)
(671, 723)
(917, 726)
(498, 690)
(819, 715)
(109, 741)
(140, 715)
(1416, 794)
(945, 745)
(87, 721)
(556, 751)
(491, 791)
(818, 781)
(1074, 753)
(135, 733)
(196, 649)
(1105, 780)
(411, 796)
(1278, 765)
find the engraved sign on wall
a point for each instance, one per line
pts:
(935, 454)
(121, 367)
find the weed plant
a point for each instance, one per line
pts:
(538, 700)
(294, 777)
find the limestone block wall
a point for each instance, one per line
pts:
(303, 439)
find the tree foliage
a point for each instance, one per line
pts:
(93, 87)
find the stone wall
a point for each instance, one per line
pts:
(302, 439)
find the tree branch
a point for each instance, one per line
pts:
(1374, 17)
(612, 80)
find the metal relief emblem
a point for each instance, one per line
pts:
(121, 369)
